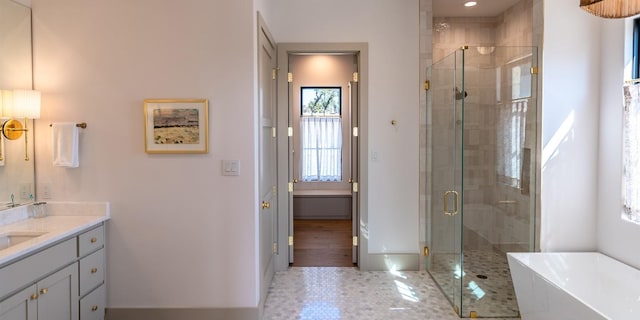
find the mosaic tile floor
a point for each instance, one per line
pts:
(328, 293)
(486, 281)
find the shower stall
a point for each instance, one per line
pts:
(481, 152)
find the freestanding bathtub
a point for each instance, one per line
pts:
(577, 285)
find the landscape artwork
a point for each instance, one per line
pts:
(176, 126)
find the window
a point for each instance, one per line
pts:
(512, 123)
(635, 68)
(631, 153)
(512, 118)
(630, 134)
(321, 134)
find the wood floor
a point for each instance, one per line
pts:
(322, 243)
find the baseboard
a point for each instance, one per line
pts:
(386, 262)
(182, 314)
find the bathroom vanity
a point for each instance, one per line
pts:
(53, 267)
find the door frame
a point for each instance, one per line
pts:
(283, 157)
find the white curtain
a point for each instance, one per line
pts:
(631, 151)
(512, 122)
(321, 148)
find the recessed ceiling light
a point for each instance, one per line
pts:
(470, 4)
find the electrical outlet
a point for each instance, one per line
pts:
(25, 190)
(45, 192)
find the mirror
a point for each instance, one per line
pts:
(16, 174)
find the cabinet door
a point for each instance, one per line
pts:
(59, 295)
(20, 306)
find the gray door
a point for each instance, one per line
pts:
(267, 156)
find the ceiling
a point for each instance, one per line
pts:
(456, 8)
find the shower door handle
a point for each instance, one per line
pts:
(445, 203)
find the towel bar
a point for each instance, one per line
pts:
(82, 125)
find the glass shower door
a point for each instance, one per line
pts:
(445, 137)
(481, 147)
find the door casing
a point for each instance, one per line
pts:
(285, 175)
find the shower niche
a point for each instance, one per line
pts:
(481, 148)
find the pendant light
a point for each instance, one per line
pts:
(611, 9)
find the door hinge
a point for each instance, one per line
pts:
(290, 240)
(425, 251)
(355, 131)
(534, 70)
(290, 131)
(355, 186)
(355, 76)
(355, 241)
(290, 186)
(426, 85)
(273, 131)
(289, 77)
(274, 71)
(275, 247)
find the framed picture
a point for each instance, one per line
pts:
(176, 126)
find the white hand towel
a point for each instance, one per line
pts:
(65, 145)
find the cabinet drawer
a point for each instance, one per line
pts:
(91, 271)
(23, 272)
(92, 306)
(90, 241)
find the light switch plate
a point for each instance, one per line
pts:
(230, 167)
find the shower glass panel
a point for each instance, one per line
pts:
(481, 147)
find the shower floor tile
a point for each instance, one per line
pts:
(486, 281)
(348, 293)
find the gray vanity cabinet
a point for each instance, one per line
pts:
(62, 282)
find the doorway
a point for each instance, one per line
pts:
(320, 101)
(320, 110)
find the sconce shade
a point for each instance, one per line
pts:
(611, 8)
(6, 102)
(25, 104)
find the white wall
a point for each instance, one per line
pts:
(570, 103)
(181, 235)
(616, 237)
(391, 30)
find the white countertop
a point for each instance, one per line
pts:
(55, 228)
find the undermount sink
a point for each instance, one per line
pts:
(10, 239)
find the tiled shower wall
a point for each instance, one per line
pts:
(520, 25)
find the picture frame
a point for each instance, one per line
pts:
(176, 126)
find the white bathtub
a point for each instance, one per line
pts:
(574, 285)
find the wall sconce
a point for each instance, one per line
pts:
(19, 104)
(611, 8)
